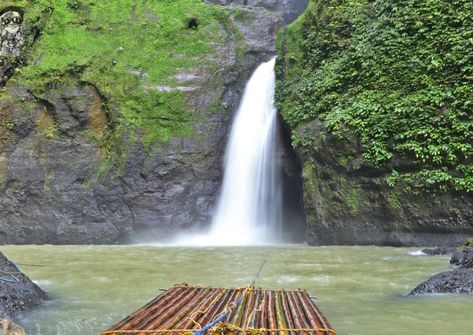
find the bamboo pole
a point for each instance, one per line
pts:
(183, 309)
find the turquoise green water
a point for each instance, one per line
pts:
(362, 290)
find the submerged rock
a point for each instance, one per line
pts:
(457, 281)
(8, 327)
(438, 251)
(17, 292)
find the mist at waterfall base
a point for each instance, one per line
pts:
(249, 209)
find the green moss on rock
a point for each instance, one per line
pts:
(353, 200)
(396, 74)
(394, 201)
(468, 243)
(130, 51)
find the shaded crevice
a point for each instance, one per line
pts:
(192, 23)
(48, 106)
(294, 219)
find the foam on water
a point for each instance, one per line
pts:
(418, 253)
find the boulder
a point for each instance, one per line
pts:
(438, 251)
(463, 256)
(457, 281)
(17, 292)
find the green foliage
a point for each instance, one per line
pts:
(130, 50)
(468, 243)
(353, 200)
(51, 132)
(398, 74)
(394, 202)
(6, 123)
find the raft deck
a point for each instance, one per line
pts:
(185, 310)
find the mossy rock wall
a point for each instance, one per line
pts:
(377, 95)
(113, 119)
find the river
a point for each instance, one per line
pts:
(362, 290)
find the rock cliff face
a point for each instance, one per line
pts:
(349, 202)
(74, 166)
(376, 125)
(289, 9)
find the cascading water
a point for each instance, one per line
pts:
(249, 208)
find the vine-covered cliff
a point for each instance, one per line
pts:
(378, 95)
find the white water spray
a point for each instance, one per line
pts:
(249, 207)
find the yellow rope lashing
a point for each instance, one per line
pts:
(228, 327)
(221, 328)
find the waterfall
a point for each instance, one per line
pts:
(249, 207)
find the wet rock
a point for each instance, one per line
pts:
(463, 258)
(457, 281)
(438, 251)
(467, 260)
(290, 8)
(456, 257)
(8, 327)
(17, 292)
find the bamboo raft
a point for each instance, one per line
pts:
(187, 310)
